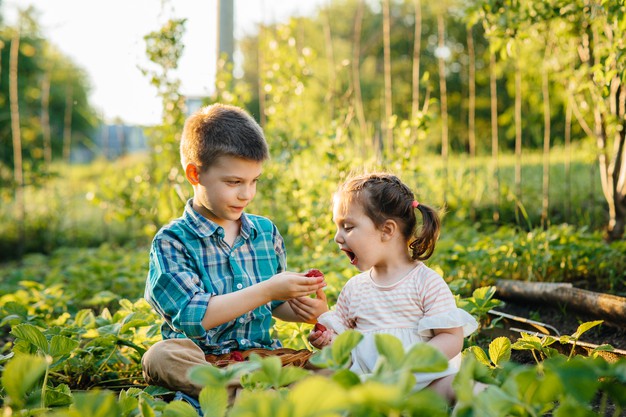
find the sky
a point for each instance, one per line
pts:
(105, 39)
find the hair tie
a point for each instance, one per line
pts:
(415, 204)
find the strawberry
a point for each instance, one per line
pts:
(319, 327)
(236, 356)
(314, 273)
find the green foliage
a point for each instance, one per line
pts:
(38, 59)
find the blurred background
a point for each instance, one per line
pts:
(507, 118)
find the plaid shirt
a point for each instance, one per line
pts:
(190, 262)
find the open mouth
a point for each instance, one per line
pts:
(352, 256)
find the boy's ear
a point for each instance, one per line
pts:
(388, 229)
(192, 173)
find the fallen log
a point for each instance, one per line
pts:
(603, 306)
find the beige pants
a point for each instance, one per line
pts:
(167, 362)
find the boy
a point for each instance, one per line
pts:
(217, 274)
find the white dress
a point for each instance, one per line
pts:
(410, 310)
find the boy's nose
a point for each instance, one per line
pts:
(246, 193)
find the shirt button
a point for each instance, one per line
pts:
(239, 286)
(242, 320)
(244, 341)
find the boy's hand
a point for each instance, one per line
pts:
(288, 285)
(320, 338)
(309, 309)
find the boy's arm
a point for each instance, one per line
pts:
(282, 286)
(303, 309)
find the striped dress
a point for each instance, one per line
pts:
(410, 310)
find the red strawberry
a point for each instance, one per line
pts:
(319, 327)
(314, 273)
(236, 356)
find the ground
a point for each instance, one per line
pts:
(567, 320)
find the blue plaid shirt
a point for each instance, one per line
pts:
(190, 262)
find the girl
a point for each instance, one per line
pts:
(395, 293)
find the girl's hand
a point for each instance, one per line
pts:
(309, 309)
(320, 338)
(288, 285)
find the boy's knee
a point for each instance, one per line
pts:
(167, 362)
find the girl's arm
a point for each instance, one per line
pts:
(448, 341)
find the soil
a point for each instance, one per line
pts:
(566, 321)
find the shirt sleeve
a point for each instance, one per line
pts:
(339, 319)
(281, 257)
(437, 297)
(174, 288)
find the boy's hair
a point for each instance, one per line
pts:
(221, 130)
(384, 196)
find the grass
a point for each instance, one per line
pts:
(69, 210)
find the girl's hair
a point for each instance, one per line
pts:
(383, 196)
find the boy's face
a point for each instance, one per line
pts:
(223, 191)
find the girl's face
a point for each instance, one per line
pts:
(357, 235)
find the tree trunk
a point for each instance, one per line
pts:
(545, 89)
(471, 118)
(417, 47)
(597, 304)
(518, 140)
(568, 161)
(67, 123)
(356, 68)
(443, 97)
(616, 171)
(261, 63)
(18, 170)
(330, 59)
(45, 119)
(493, 88)
(387, 69)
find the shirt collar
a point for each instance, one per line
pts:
(205, 227)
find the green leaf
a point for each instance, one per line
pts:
(482, 295)
(20, 375)
(480, 355)
(377, 394)
(423, 357)
(390, 348)
(31, 334)
(343, 345)
(585, 327)
(260, 404)
(346, 378)
(317, 396)
(145, 410)
(500, 350)
(211, 375)
(179, 409)
(213, 401)
(425, 403)
(61, 345)
(578, 376)
(571, 408)
(95, 404)
(271, 367)
(58, 396)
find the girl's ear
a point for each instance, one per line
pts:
(192, 174)
(388, 229)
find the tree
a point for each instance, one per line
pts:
(44, 78)
(590, 36)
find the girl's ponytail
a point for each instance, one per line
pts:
(423, 246)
